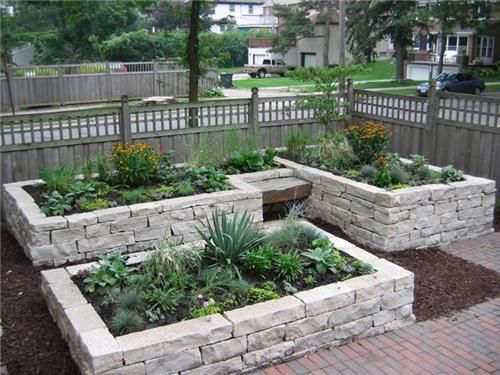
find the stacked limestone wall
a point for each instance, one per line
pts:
(57, 239)
(405, 218)
(240, 340)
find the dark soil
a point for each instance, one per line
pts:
(443, 283)
(31, 341)
(497, 219)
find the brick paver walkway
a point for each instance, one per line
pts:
(467, 342)
(484, 250)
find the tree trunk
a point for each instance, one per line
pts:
(193, 59)
(399, 54)
(442, 50)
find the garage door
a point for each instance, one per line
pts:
(417, 73)
(308, 59)
(257, 59)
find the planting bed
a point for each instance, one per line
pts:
(401, 219)
(241, 339)
(57, 239)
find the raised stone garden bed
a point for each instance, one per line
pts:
(57, 239)
(401, 219)
(239, 340)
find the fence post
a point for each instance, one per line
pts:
(125, 128)
(253, 111)
(350, 101)
(155, 76)
(108, 82)
(60, 80)
(431, 124)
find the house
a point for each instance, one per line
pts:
(239, 14)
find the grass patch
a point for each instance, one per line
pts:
(389, 84)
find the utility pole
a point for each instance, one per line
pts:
(342, 43)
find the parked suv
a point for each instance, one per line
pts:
(268, 66)
(461, 82)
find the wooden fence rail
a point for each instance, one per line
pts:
(79, 83)
(431, 126)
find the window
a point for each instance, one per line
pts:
(231, 8)
(484, 46)
(250, 9)
(454, 43)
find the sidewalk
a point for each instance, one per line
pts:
(467, 342)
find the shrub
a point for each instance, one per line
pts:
(102, 167)
(292, 235)
(163, 297)
(184, 188)
(110, 275)
(398, 174)
(425, 174)
(214, 92)
(331, 151)
(382, 179)
(368, 171)
(228, 239)
(126, 321)
(257, 295)
(94, 204)
(56, 204)
(135, 164)
(135, 196)
(361, 267)
(87, 169)
(59, 179)
(450, 174)
(131, 300)
(418, 162)
(296, 145)
(369, 140)
(260, 260)
(288, 265)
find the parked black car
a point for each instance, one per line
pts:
(460, 82)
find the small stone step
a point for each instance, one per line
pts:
(283, 189)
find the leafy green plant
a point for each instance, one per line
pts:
(257, 295)
(94, 204)
(163, 297)
(214, 92)
(292, 234)
(296, 145)
(324, 256)
(288, 266)
(154, 315)
(162, 192)
(361, 267)
(198, 312)
(56, 204)
(207, 178)
(352, 173)
(382, 179)
(59, 179)
(369, 140)
(102, 167)
(82, 190)
(331, 151)
(311, 278)
(368, 171)
(126, 321)
(87, 169)
(425, 174)
(419, 162)
(450, 174)
(269, 285)
(260, 260)
(184, 188)
(111, 274)
(289, 288)
(228, 239)
(398, 174)
(134, 196)
(130, 300)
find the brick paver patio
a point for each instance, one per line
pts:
(467, 342)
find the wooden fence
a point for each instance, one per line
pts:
(463, 130)
(79, 83)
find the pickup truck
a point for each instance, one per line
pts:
(268, 66)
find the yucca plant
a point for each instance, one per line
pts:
(228, 239)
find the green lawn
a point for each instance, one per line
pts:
(489, 88)
(372, 85)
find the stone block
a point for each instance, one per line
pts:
(387, 199)
(441, 192)
(137, 369)
(48, 223)
(425, 222)
(353, 328)
(266, 338)
(146, 209)
(231, 366)
(55, 276)
(341, 214)
(468, 187)
(383, 317)
(224, 350)
(414, 195)
(307, 326)
(371, 286)
(249, 205)
(108, 242)
(81, 220)
(53, 251)
(404, 312)
(98, 230)
(392, 218)
(326, 298)
(316, 340)
(265, 315)
(488, 200)
(133, 223)
(185, 214)
(354, 312)
(399, 323)
(268, 355)
(100, 350)
(400, 298)
(67, 235)
(421, 211)
(363, 191)
(470, 202)
(173, 363)
(112, 214)
(174, 338)
(470, 213)
(81, 319)
(152, 233)
(38, 238)
(186, 227)
(447, 207)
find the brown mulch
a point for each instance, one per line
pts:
(444, 283)
(32, 344)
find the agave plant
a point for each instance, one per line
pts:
(228, 239)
